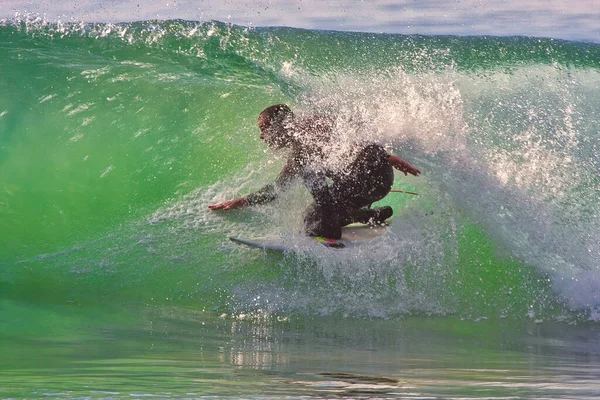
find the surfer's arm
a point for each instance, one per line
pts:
(271, 191)
(264, 195)
(402, 165)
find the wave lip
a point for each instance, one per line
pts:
(552, 19)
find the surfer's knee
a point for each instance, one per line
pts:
(321, 221)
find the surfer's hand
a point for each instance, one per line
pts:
(403, 166)
(229, 205)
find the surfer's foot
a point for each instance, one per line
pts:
(371, 216)
(378, 215)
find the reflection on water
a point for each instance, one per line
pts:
(575, 20)
(169, 352)
(255, 345)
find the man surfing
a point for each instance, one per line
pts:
(341, 195)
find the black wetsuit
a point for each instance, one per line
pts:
(345, 198)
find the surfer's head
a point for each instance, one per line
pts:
(275, 123)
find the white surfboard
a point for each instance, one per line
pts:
(352, 235)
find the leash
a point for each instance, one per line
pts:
(402, 191)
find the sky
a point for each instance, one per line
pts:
(561, 19)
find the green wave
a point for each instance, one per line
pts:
(114, 138)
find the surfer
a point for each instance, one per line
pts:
(341, 195)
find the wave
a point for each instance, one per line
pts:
(114, 139)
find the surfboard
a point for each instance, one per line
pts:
(352, 236)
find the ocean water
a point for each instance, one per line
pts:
(116, 280)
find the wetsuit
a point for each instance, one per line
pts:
(348, 196)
